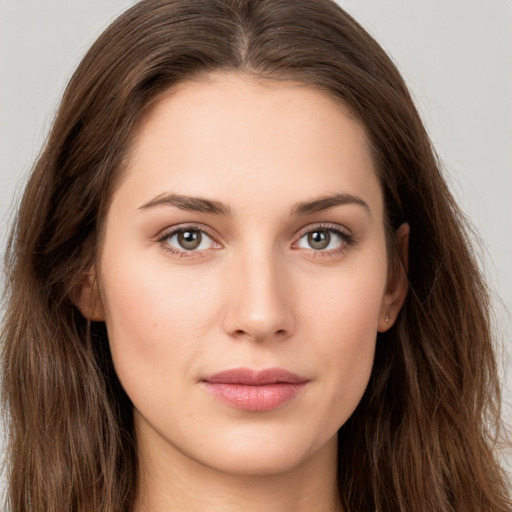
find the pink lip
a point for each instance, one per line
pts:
(255, 390)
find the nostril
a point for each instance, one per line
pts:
(241, 333)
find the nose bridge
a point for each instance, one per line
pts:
(259, 305)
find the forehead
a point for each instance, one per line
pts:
(232, 136)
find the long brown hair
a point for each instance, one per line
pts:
(423, 436)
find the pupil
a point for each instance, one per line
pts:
(189, 239)
(319, 239)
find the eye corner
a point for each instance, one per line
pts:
(188, 241)
(332, 240)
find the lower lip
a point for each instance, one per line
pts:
(265, 397)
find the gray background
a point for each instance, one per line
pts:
(456, 56)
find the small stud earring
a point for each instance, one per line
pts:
(387, 318)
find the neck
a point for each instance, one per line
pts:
(169, 480)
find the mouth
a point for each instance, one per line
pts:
(255, 390)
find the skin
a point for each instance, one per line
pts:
(254, 294)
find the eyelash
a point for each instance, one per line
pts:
(347, 239)
(184, 253)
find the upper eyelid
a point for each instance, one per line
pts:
(328, 226)
(169, 231)
(343, 232)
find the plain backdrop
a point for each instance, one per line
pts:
(456, 56)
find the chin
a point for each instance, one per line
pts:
(253, 454)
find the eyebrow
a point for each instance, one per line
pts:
(188, 203)
(200, 204)
(325, 202)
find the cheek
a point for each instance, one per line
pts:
(343, 322)
(154, 314)
(346, 304)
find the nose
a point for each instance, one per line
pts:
(260, 303)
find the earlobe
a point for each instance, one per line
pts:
(397, 285)
(88, 298)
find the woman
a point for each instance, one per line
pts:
(238, 281)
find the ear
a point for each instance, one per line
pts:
(88, 298)
(397, 285)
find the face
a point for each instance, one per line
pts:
(243, 275)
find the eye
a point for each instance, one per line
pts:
(324, 239)
(187, 240)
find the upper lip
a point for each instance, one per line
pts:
(251, 377)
